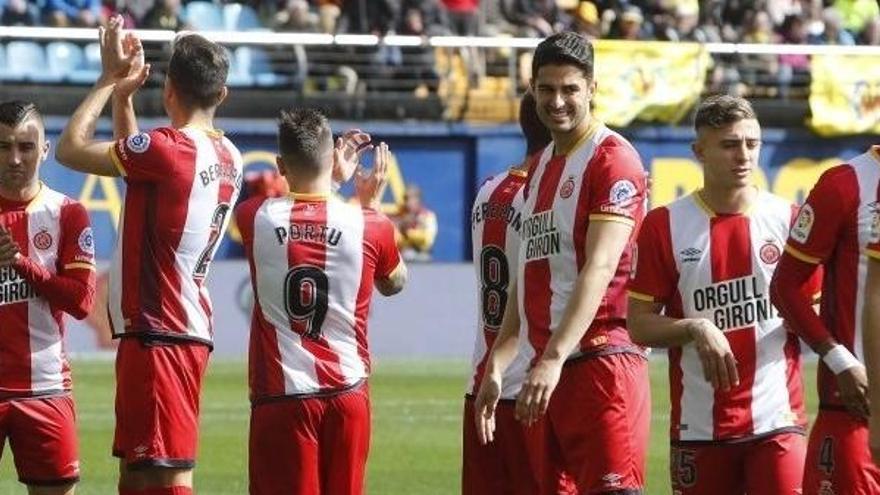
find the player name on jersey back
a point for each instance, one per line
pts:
(321, 234)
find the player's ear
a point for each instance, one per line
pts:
(697, 150)
(45, 153)
(224, 92)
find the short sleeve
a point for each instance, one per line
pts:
(617, 184)
(245, 214)
(388, 257)
(77, 248)
(817, 227)
(654, 276)
(151, 156)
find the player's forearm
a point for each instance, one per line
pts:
(124, 119)
(580, 311)
(871, 331)
(504, 349)
(76, 148)
(788, 292)
(656, 330)
(73, 295)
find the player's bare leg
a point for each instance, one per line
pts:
(142, 478)
(52, 490)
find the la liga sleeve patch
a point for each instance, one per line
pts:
(803, 224)
(138, 143)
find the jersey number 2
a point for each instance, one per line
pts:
(306, 298)
(218, 219)
(495, 278)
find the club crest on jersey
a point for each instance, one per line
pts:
(770, 252)
(43, 240)
(567, 188)
(86, 241)
(138, 143)
(803, 224)
(621, 192)
(691, 255)
(826, 488)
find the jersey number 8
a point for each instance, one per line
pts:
(495, 278)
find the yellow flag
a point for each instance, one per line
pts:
(845, 94)
(647, 80)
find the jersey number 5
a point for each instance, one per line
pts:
(495, 278)
(306, 299)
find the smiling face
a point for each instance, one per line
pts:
(562, 98)
(729, 153)
(22, 149)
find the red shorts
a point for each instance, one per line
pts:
(42, 436)
(513, 463)
(158, 385)
(599, 422)
(838, 458)
(771, 465)
(311, 445)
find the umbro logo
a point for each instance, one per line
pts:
(691, 255)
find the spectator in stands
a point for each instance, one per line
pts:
(833, 32)
(368, 16)
(756, 68)
(535, 18)
(296, 17)
(328, 13)
(857, 14)
(165, 14)
(110, 8)
(630, 25)
(64, 13)
(585, 20)
(433, 16)
(19, 13)
(416, 226)
(419, 65)
(794, 69)
(464, 16)
(871, 34)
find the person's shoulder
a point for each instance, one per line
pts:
(249, 207)
(614, 150)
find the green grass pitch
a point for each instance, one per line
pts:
(416, 429)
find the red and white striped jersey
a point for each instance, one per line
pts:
(833, 228)
(495, 225)
(601, 179)
(700, 264)
(313, 264)
(53, 232)
(181, 186)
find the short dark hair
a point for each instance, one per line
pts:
(565, 48)
(718, 111)
(198, 70)
(14, 112)
(304, 138)
(536, 133)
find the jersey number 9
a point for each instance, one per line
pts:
(306, 299)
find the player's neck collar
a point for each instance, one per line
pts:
(700, 201)
(207, 130)
(875, 153)
(30, 202)
(590, 131)
(322, 196)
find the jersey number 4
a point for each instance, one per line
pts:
(495, 278)
(306, 299)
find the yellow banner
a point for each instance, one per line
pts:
(845, 94)
(647, 80)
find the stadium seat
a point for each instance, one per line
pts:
(256, 62)
(239, 76)
(89, 68)
(26, 61)
(63, 57)
(2, 59)
(204, 16)
(238, 17)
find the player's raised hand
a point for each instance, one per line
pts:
(115, 61)
(534, 397)
(137, 72)
(719, 364)
(8, 248)
(853, 386)
(347, 153)
(370, 186)
(484, 408)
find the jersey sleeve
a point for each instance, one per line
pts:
(151, 156)
(618, 185)
(77, 247)
(388, 257)
(245, 215)
(816, 228)
(654, 276)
